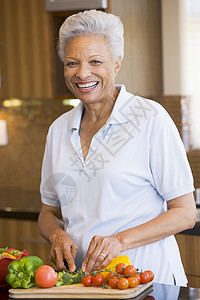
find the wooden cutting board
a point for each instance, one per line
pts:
(79, 291)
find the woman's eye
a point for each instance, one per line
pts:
(71, 64)
(95, 62)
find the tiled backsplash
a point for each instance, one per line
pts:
(27, 125)
(179, 109)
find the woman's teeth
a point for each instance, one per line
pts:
(87, 85)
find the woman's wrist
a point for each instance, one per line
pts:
(121, 237)
(55, 233)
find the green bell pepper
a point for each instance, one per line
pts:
(21, 272)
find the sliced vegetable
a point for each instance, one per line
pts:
(12, 253)
(21, 272)
(5, 254)
(3, 249)
(65, 278)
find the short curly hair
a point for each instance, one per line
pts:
(93, 22)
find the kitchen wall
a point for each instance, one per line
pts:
(27, 61)
(27, 68)
(27, 126)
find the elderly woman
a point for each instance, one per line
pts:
(114, 170)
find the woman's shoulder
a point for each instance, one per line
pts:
(61, 123)
(147, 105)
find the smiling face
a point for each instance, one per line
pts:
(90, 69)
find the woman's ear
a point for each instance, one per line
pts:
(117, 65)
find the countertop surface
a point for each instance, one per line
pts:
(20, 204)
(26, 205)
(160, 292)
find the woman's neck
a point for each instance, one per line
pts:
(100, 111)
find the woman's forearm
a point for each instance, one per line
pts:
(48, 223)
(181, 215)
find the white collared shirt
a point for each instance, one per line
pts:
(136, 162)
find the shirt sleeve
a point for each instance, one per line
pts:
(171, 173)
(47, 188)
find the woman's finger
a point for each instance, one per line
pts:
(90, 255)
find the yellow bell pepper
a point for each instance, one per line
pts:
(114, 262)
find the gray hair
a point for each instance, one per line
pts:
(93, 22)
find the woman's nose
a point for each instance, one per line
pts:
(83, 71)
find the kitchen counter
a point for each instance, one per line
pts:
(25, 205)
(160, 292)
(19, 204)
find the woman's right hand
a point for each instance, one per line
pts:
(63, 247)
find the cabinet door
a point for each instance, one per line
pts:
(23, 234)
(189, 246)
(26, 59)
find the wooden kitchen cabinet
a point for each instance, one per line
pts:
(30, 64)
(26, 51)
(23, 234)
(189, 246)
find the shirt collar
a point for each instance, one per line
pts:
(121, 110)
(119, 113)
(76, 115)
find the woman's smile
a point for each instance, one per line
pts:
(86, 87)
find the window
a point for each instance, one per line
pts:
(193, 48)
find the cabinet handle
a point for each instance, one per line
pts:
(32, 240)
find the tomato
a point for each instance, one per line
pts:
(122, 283)
(151, 275)
(138, 277)
(120, 268)
(130, 271)
(113, 282)
(110, 275)
(87, 281)
(144, 277)
(46, 276)
(98, 280)
(133, 281)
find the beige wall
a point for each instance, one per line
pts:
(142, 66)
(174, 47)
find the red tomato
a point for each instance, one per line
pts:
(133, 281)
(46, 276)
(98, 280)
(151, 275)
(122, 283)
(144, 277)
(113, 282)
(130, 271)
(120, 268)
(109, 276)
(87, 281)
(138, 277)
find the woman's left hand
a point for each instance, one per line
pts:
(100, 252)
